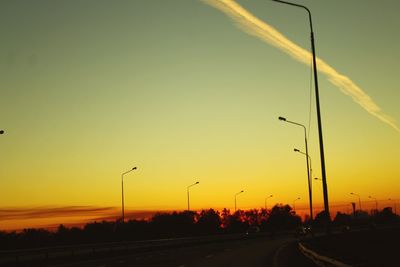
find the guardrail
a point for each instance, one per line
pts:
(321, 260)
(43, 256)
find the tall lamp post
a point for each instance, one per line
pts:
(294, 203)
(376, 202)
(266, 201)
(321, 142)
(122, 181)
(308, 167)
(188, 196)
(309, 158)
(309, 173)
(236, 196)
(359, 198)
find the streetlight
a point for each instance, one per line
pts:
(359, 199)
(122, 180)
(235, 197)
(266, 201)
(1, 131)
(309, 174)
(307, 156)
(294, 203)
(321, 142)
(376, 202)
(394, 205)
(188, 198)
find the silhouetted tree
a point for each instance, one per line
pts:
(385, 216)
(282, 217)
(321, 219)
(342, 219)
(175, 224)
(209, 222)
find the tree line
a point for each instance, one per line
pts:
(180, 224)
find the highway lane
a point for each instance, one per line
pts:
(260, 251)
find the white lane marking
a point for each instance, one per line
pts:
(276, 255)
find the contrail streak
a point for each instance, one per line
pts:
(254, 26)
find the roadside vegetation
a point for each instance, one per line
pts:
(185, 223)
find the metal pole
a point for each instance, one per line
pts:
(235, 203)
(308, 167)
(123, 214)
(309, 177)
(309, 174)
(294, 204)
(266, 201)
(235, 197)
(376, 202)
(188, 197)
(321, 142)
(122, 183)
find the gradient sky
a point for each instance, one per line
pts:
(92, 88)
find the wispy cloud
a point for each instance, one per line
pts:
(256, 27)
(51, 212)
(18, 218)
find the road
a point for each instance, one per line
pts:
(249, 252)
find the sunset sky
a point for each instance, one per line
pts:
(187, 92)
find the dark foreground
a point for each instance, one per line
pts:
(368, 248)
(262, 251)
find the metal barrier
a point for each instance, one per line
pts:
(320, 260)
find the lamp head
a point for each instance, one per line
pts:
(197, 182)
(296, 150)
(1, 131)
(134, 168)
(282, 119)
(242, 191)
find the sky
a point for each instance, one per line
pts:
(187, 92)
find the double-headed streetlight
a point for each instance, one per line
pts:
(307, 157)
(266, 201)
(236, 196)
(376, 202)
(359, 198)
(321, 143)
(294, 203)
(188, 196)
(122, 181)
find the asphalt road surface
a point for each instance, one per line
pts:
(260, 251)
